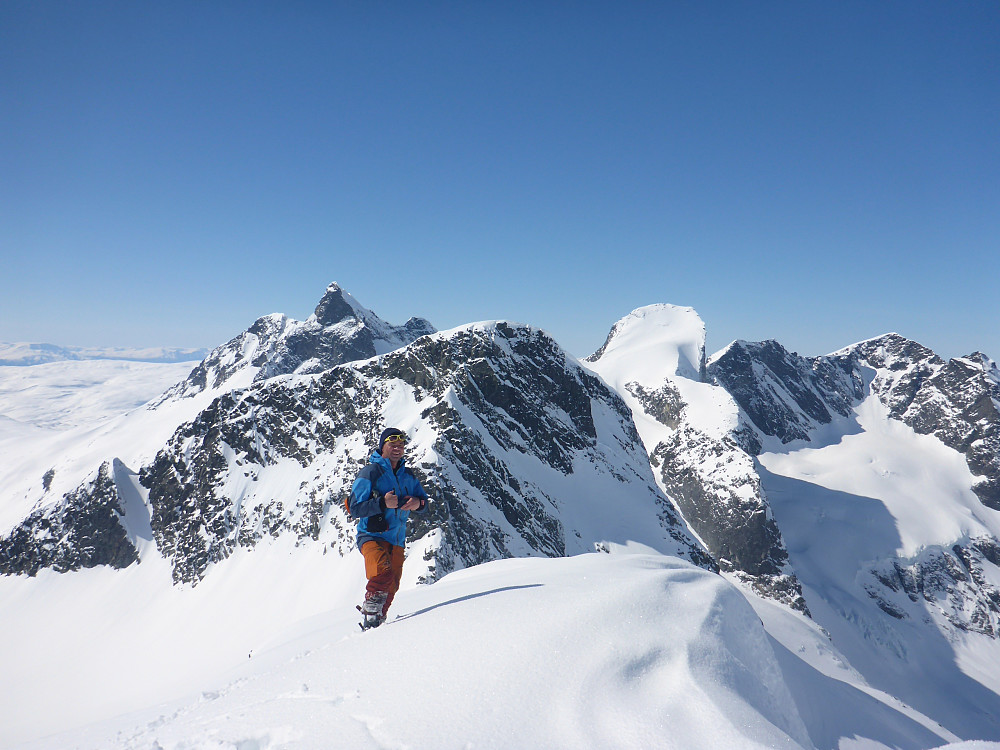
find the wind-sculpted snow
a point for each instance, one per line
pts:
(646, 651)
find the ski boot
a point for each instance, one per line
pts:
(371, 610)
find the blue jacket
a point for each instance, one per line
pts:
(366, 500)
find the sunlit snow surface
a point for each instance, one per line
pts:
(629, 649)
(872, 490)
(62, 395)
(71, 416)
(621, 650)
(923, 486)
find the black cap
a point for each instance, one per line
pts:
(386, 433)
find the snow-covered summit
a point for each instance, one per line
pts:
(339, 330)
(654, 342)
(340, 310)
(655, 358)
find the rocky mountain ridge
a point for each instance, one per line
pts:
(785, 400)
(339, 330)
(298, 404)
(521, 447)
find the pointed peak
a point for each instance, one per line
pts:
(337, 305)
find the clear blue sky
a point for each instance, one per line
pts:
(814, 172)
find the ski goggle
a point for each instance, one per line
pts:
(396, 439)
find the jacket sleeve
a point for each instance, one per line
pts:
(416, 490)
(363, 502)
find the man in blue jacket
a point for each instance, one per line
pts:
(382, 496)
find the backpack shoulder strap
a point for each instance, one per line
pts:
(371, 472)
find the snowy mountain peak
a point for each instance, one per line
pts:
(340, 330)
(892, 352)
(655, 358)
(338, 305)
(656, 341)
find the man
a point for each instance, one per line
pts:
(382, 496)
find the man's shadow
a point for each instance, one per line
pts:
(456, 600)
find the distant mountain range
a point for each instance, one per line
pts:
(25, 355)
(861, 489)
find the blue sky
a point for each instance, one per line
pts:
(813, 172)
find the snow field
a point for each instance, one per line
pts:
(924, 485)
(77, 434)
(627, 650)
(878, 494)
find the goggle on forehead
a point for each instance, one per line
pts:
(396, 439)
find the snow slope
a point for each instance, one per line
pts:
(623, 650)
(63, 395)
(879, 495)
(69, 417)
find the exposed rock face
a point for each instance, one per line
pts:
(340, 330)
(782, 394)
(714, 484)
(957, 401)
(531, 400)
(489, 399)
(787, 396)
(83, 530)
(205, 490)
(953, 583)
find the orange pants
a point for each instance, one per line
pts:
(384, 568)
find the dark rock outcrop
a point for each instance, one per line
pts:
(83, 530)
